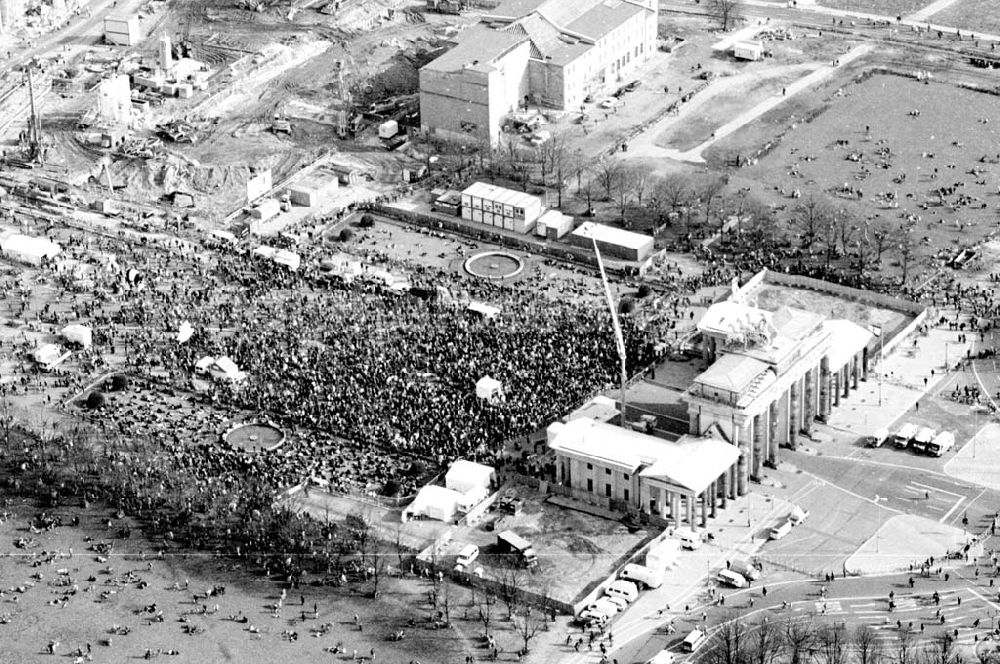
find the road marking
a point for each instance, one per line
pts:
(953, 508)
(938, 489)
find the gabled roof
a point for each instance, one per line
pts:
(602, 18)
(732, 372)
(796, 323)
(478, 49)
(849, 338)
(691, 462)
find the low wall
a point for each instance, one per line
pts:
(846, 292)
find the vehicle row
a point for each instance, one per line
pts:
(920, 439)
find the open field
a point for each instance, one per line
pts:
(896, 151)
(65, 592)
(974, 15)
(884, 7)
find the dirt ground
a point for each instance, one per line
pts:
(772, 297)
(59, 590)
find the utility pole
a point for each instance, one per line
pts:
(34, 126)
(616, 326)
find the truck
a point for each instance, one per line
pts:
(942, 442)
(510, 542)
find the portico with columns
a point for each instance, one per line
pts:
(771, 375)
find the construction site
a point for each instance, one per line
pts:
(161, 113)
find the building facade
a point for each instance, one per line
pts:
(684, 481)
(772, 374)
(547, 52)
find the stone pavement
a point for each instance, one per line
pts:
(979, 460)
(906, 539)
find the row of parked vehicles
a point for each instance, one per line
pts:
(920, 439)
(620, 593)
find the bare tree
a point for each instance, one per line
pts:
(942, 650)
(881, 231)
(510, 579)
(906, 247)
(833, 642)
(811, 217)
(765, 644)
(728, 12)
(867, 647)
(622, 188)
(485, 602)
(800, 641)
(609, 172)
(731, 644)
(528, 622)
(709, 191)
(905, 652)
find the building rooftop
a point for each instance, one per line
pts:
(603, 17)
(501, 194)
(612, 235)
(691, 463)
(478, 49)
(732, 372)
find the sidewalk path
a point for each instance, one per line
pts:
(745, 118)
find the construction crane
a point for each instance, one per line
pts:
(616, 327)
(33, 136)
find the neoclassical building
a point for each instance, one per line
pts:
(772, 374)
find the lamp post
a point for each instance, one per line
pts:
(878, 504)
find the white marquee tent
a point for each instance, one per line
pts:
(80, 334)
(434, 502)
(30, 250)
(489, 388)
(464, 476)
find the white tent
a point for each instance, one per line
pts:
(49, 356)
(185, 332)
(489, 388)
(30, 250)
(80, 334)
(464, 476)
(202, 365)
(485, 310)
(225, 369)
(434, 502)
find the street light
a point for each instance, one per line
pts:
(878, 503)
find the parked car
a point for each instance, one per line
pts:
(797, 515)
(634, 85)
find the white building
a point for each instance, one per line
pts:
(548, 52)
(616, 242)
(78, 334)
(607, 463)
(503, 208)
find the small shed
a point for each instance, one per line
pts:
(78, 334)
(553, 225)
(465, 476)
(489, 389)
(748, 50)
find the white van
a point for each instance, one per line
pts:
(780, 530)
(744, 569)
(904, 433)
(662, 657)
(607, 605)
(650, 578)
(689, 539)
(624, 589)
(878, 438)
(693, 640)
(730, 578)
(923, 438)
(468, 554)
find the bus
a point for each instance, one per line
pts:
(942, 442)
(923, 438)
